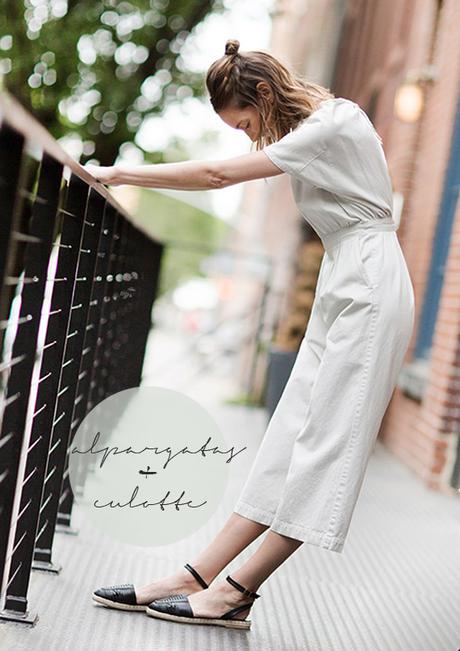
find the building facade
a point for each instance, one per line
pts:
(400, 61)
(386, 47)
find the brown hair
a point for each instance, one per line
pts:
(232, 81)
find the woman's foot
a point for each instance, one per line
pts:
(181, 582)
(127, 597)
(216, 600)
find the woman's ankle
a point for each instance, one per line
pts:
(190, 581)
(206, 574)
(232, 596)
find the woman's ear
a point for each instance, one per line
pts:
(264, 89)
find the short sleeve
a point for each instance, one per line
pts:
(336, 149)
(297, 149)
(323, 149)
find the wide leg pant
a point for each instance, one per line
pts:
(309, 468)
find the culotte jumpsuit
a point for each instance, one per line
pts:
(309, 468)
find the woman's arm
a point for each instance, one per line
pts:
(189, 175)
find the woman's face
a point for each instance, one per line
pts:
(246, 119)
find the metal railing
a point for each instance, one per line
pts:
(77, 284)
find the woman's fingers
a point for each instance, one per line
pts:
(101, 173)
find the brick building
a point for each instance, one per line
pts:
(385, 48)
(400, 60)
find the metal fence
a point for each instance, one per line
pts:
(77, 284)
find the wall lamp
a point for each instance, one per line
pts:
(409, 97)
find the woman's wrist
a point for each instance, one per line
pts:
(115, 177)
(109, 174)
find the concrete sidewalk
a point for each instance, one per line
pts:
(395, 587)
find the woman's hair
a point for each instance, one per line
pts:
(232, 83)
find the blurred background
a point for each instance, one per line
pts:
(123, 82)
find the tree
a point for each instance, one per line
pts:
(98, 67)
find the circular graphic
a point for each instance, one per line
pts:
(149, 465)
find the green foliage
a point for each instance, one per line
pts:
(80, 65)
(167, 219)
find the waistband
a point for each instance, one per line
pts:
(330, 240)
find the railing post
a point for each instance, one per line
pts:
(58, 334)
(36, 259)
(150, 256)
(115, 379)
(97, 307)
(80, 307)
(11, 145)
(107, 353)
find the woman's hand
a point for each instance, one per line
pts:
(103, 174)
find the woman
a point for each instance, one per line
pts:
(308, 472)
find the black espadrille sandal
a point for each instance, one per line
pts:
(177, 608)
(123, 596)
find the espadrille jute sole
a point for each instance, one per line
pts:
(244, 624)
(118, 605)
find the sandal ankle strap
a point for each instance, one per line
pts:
(238, 586)
(200, 579)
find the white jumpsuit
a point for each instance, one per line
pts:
(308, 471)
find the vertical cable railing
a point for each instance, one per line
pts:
(77, 284)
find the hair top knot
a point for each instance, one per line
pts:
(231, 47)
(257, 79)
